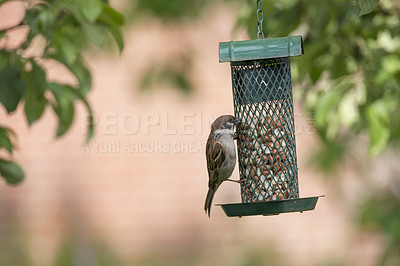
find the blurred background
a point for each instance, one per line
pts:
(134, 194)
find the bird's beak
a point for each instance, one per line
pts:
(237, 121)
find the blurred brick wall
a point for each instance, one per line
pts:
(140, 188)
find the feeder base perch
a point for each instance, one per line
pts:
(269, 207)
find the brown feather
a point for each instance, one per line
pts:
(216, 154)
(220, 121)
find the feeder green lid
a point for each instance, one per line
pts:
(260, 49)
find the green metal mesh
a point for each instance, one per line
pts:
(262, 93)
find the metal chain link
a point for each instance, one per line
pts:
(260, 18)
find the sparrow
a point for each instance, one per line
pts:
(220, 155)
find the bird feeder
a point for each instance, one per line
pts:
(262, 98)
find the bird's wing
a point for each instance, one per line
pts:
(215, 157)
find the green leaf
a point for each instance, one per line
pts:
(117, 34)
(63, 107)
(315, 73)
(378, 125)
(326, 105)
(348, 111)
(66, 46)
(90, 9)
(96, 34)
(338, 69)
(11, 172)
(11, 88)
(181, 81)
(46, 20)
(90, 121)
(307, 61)
(35, 102)
(112, 20)
(367, 6)
(328, 155)
(5, 141)
(390, 66)
(109, 15)
(80, 71)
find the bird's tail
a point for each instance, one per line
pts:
(209, 199)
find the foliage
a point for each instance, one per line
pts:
(355, 95)
(80, 251)
(64, 28)
(175, 76)
(168, 10)
(351, 62)
(350, 73)
(383, 213)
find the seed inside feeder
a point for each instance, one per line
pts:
(265, 157)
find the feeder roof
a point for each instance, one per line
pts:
(260, 49)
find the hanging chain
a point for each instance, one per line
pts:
(260, 18)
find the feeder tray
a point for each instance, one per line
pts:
(270, 208)
(262, 98)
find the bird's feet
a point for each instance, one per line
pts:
(237, 181)
(235, 136)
